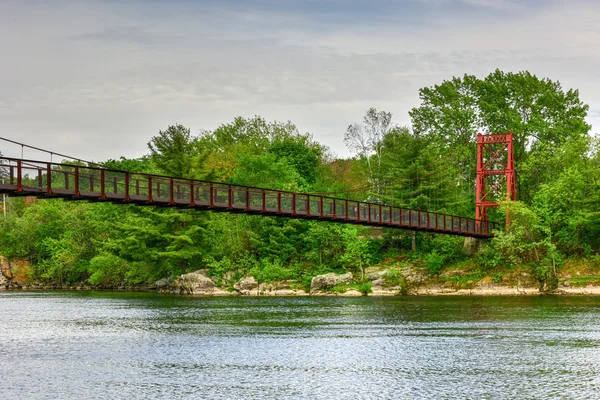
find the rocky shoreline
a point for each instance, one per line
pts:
(407, 281)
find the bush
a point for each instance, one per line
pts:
(394, 278)
(107, 270)
(365, 288)
(498, 277)
(270, 272)
(489, 259)
(434, 262)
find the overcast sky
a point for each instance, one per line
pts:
(97, 79)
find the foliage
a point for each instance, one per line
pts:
(434, 262)
(365, 288)
(270, 272)
(427, 166)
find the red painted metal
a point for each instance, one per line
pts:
(321, 207)
(346, 210)
(102, 191)
(495, 169)
(28, 184)
(247, 207)
(278, 202)
(48, 179)
(229, 197)
(171, 192)
(192, 202)
(150, 199)
(19, 176)
(77, 193)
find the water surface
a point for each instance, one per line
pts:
(87, 345)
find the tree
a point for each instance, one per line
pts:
(358, 251)
(172, 150)
(366, 140)
(541, 115)
(528, 242)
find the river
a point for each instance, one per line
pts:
(103, 345)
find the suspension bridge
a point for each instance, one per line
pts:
(88, 181)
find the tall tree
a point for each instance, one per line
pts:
(541, 115)
(366, 139)
(172, 150)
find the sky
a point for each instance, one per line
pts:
(97, 79)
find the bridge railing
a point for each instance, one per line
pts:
(29, 177)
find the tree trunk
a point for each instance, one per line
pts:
(184, 264)
(414, 241)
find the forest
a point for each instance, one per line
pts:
(429, 165)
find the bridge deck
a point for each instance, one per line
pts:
(72, 182)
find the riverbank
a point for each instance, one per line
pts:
(388, 279)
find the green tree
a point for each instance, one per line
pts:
(541, 115)
(172, 150)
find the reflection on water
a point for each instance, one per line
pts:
(137, 346)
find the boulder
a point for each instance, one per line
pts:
(193, 283)
(378, 283)
(163, 283)
(326, 281)
(344, 278)
(246, 284)
(374, 276)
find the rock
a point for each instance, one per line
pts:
(373, 276)
(193, 283)
(163, 283)
(344, 278)
(14, 273)
(471, 245)
(326, 281)
(246, 284)
(196, 283)
(378, 283)
(321, 282)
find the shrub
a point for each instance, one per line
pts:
(434, 262)
(498, 277)
(270, 271)
(365, 288)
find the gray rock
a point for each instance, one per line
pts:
(163, 283)
(195, 283)
(326, 281)
(373, 276)
(192, 283)
(246, 284)
(344, 278)
(378, 283)
(322, 282)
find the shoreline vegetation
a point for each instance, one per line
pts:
(550, 245)
(380, 281)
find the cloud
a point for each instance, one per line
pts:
(98, 79)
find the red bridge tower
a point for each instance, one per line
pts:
(495, 172)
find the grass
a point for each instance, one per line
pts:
(580, 281)
(466, 281)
